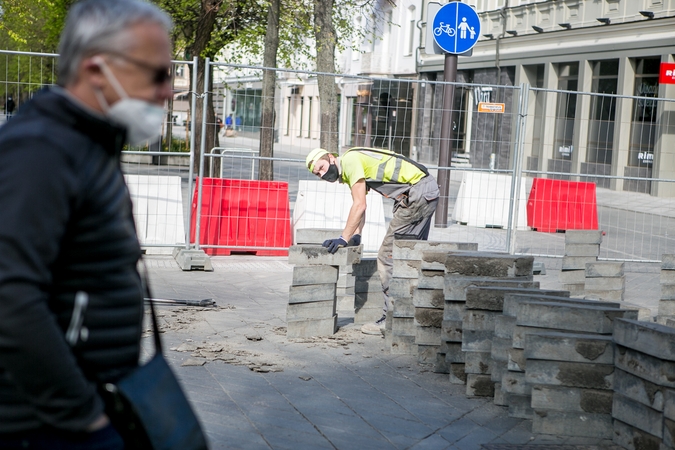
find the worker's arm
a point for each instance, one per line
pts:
(357, 213)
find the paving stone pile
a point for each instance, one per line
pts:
(581, 247)
(644, 385)
(464, 270)
(571, 378)
(486, 358)
(407, 256)
(429, 302)
(575, 366)
(345, 283)
(666, 312)
(605, 281)
(575, 316)
(312, 297)
(368, 297)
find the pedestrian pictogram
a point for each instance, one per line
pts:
(456, 28)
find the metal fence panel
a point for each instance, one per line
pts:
(162, 213)
(618, 143)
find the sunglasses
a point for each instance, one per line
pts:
(160, 74)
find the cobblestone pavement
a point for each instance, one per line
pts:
(255, 389)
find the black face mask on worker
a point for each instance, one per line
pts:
(331, 174)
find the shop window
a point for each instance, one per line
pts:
(643, 124)
(568, 80)
(603, 110)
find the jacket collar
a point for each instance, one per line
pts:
(58, 104)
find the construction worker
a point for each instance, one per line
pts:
(414, 191)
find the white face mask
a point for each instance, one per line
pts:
(142, 119)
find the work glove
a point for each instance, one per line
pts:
(355, 241)
(333, 244)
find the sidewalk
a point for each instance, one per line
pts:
(254, 389)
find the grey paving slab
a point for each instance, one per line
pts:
(476, 438)
(285, 438)
(458, 430)
(433, 442)
(226, 438)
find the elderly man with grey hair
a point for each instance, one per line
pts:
(68, 245)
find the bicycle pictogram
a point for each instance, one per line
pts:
(443, 28)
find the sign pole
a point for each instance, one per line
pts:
(447, 135)
(455, 29)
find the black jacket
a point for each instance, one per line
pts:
(65, 226)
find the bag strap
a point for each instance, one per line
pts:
(153, 315)
(395, 155)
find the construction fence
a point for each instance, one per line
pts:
(525, 165)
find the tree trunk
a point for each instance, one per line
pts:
(266, 169)
(207, 19)
(326, 40)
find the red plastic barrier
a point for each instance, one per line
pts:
(243, 213)
(558, 205)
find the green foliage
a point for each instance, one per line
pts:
(176, 145)
(32, 25)
(232, 18)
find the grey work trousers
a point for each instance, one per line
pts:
(411, 220)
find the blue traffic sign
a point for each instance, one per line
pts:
(456, 27)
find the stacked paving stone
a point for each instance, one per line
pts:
(575, 370)
(644, 385)
(666, 313)
(484, 306)
(571, 376)
(510, 332)
(407, 256)
(464, 270)
(429, 302)
(605, 281)
(581, 247)
(368, 297)
(345, 282)
(312, 300)
(508, 360)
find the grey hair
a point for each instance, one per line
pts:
(97, 26)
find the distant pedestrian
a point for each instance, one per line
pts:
(228, 122)
(237, 121)
(9, 107)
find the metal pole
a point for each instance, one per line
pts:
(447, 135)
(516, 179)
(202, 147)
(192, 156)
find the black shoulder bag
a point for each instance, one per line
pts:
(148, 407)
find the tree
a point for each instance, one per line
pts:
(202, 28)
(326, 40)
(266, 171)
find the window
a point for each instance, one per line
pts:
(358, 29)
(568, 80)
(373, 33)
(288, 115)
(643, 124)
(603, 110)
(309, 116)
(300, 116)
(411, 31)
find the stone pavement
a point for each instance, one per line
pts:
(255, 389)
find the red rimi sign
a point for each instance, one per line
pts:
(667, 74)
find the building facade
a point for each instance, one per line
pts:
(611, 49)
